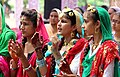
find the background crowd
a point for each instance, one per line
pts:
(75, 43)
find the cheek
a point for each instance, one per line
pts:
(30, 30)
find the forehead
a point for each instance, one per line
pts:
(24, 18)
(116, 16)
(53, 13)
(87, 15)
(64, 16)
(110, 10)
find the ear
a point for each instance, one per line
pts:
(74, 27)
(97, 24)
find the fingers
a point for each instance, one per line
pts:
(57, 75)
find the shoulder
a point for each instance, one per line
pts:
(47, 25)
(10, 35)
(110, 45)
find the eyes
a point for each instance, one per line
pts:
(24, 23)
(85, 21)
(55, 16)
(116, 21)
(63, 21)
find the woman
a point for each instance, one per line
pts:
(67, 51)
(5, 35)
(51, 30)
(53, 20)
(30, 54)
(116, 28)
(98, 59)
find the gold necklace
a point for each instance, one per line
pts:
(94, 46)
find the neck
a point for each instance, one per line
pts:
(54, 28)
(29, 39)
(117, 35)
(97, 38)
(67, 39)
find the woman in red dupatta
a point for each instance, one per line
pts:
(67, 51)
(98, 59)
(30, 53)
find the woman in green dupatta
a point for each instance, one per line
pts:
(99, 58)
(5, 35)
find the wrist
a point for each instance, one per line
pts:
(14, 69)
(38, 48)
(28, 68)
(40, 62)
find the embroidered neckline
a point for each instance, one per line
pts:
(69, 46)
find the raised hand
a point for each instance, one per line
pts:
(36, 41)
(54, 40)
(15, 50)
(64, 66)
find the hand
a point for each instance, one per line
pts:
(64, 66)
(65, 75)
(13, 64)
(36, 41)
(55, 43)
(15, 50)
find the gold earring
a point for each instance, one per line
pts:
(72, 34)
(96, 31)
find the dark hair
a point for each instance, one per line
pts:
(105, 7)
(82, 11)
(70, 15)
(31, 15)
(93, 13)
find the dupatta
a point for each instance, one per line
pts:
(42, 32)
(5, 35)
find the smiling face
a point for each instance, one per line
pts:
(26, 27)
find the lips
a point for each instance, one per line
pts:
(59, 29)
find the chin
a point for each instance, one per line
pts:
(59, 33)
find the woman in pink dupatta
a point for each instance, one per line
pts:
(30, 53)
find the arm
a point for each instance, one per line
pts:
(41, 62)
(17, 49)
(109, 71)
(54, 48)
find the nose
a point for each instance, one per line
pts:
(59, 23)
(83, 25)
(22, 27)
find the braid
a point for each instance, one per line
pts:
(53, 63)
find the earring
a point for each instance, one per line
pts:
(96, 31)
(72, 34)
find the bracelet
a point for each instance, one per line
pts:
(14, 69)
(40, 62)
(36, 48)
(58, 61)
(28, 68)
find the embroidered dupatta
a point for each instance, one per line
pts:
(42, 32)
(105, 55)
(78, 47)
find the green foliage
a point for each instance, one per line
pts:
(92, 2)
(25, 2)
